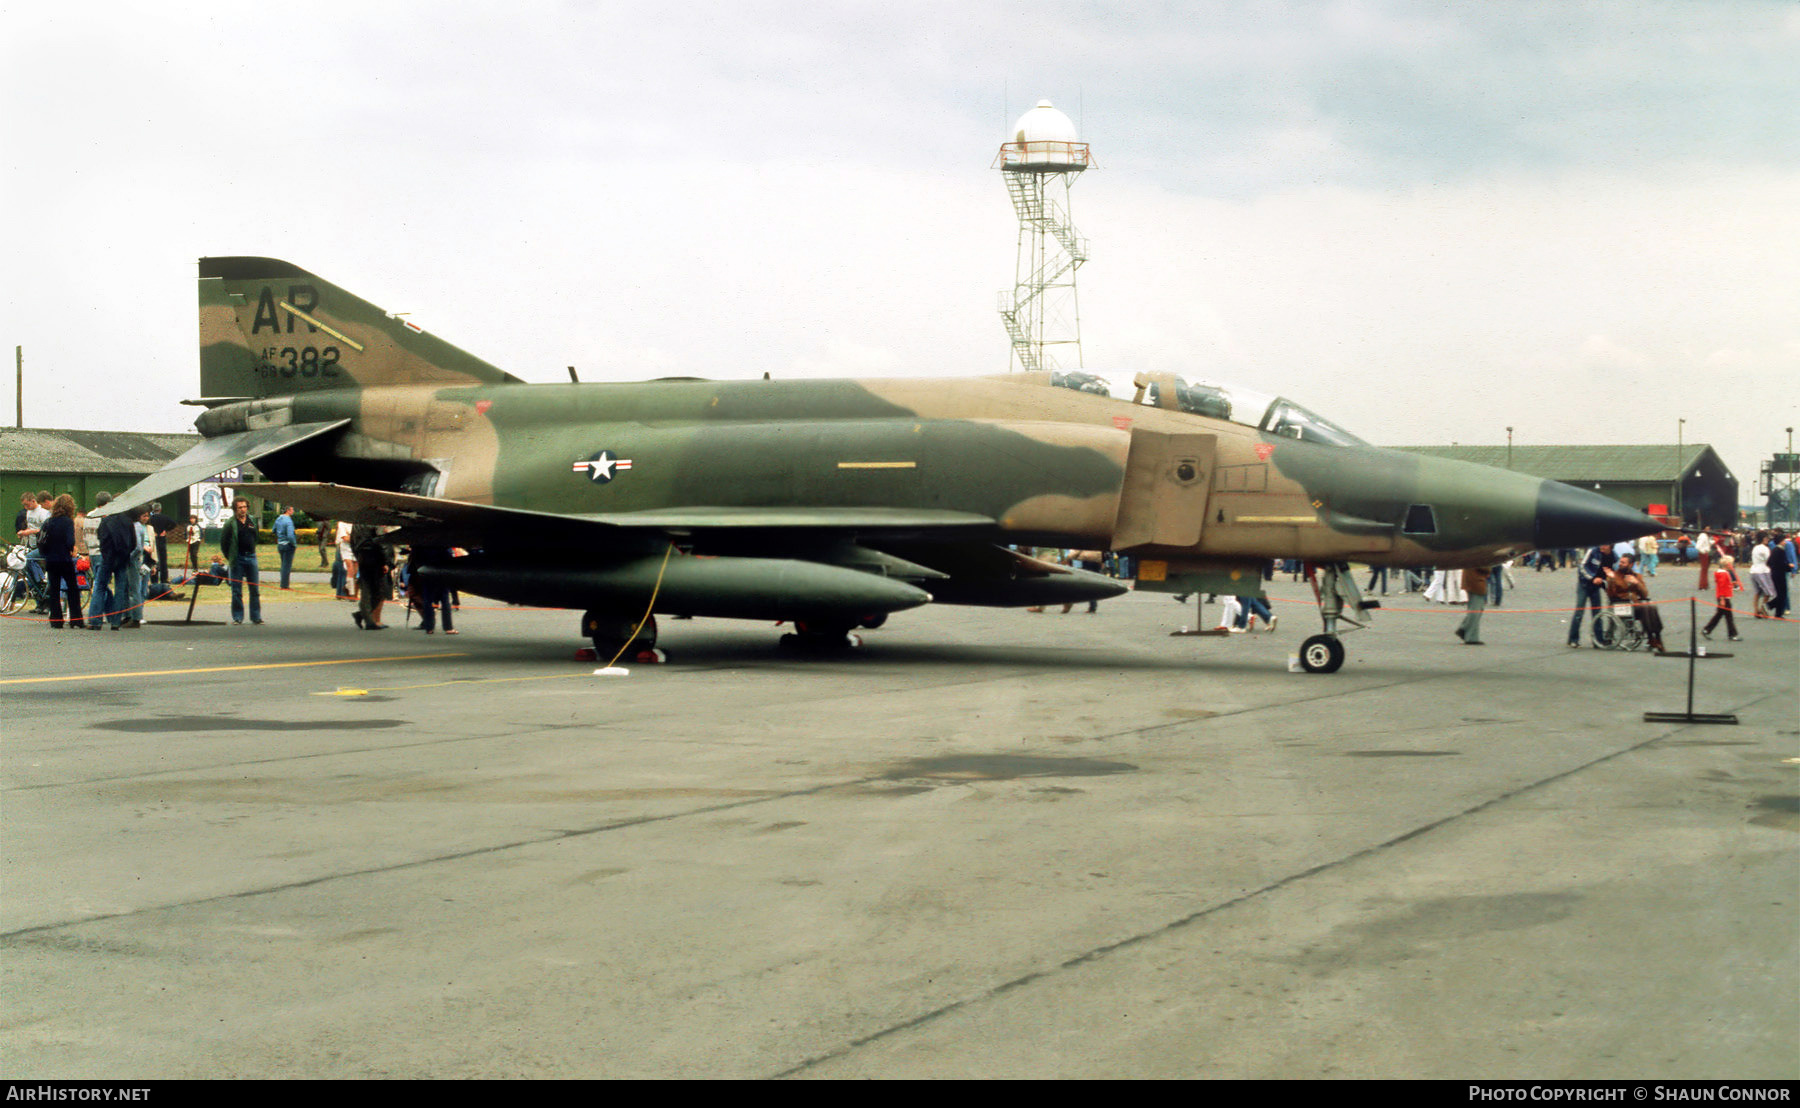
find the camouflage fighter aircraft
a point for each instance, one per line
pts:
(825, 503)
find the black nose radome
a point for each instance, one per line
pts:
(1568, 516)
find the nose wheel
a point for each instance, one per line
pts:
(1321, 654)
(1339, 602)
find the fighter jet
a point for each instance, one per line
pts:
(826, 504)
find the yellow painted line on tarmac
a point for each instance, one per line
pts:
(347, 691)
(224, 669)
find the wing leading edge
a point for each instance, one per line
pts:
(216, 455)
(460, 523)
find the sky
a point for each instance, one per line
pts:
(1428, 220)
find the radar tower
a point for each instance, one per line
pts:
(1041, 311)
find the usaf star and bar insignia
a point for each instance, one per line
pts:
(602, 467)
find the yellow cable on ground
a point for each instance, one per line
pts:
(648, 608)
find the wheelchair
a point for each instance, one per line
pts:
(1616, 628)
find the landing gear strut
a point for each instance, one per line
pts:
(609, 633)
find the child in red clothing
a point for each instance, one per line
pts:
(1725, 583)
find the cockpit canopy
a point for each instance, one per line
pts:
(1274, 414)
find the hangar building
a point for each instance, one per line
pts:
(1690, 479)
(82, 463)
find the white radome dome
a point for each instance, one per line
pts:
(1044, 123)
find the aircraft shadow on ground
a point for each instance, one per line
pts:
(691, 646)
(707, 650)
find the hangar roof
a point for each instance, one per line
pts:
(50, 450)
(1653, 462)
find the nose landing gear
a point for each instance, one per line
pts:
(1337, 594)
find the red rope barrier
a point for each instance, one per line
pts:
(84, 616)
(1458, 608)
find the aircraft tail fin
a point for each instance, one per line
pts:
(270, 328)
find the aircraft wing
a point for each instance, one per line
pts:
(215, 456)
(460, 523)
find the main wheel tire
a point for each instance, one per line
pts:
(814, 637)
(1321, 654)
(11, 596)
(823, 631)
(609, 633)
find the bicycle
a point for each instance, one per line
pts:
(16, 585)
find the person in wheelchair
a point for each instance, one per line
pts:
(1624, 583)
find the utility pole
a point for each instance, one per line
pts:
(1680, 426)
(19, 379)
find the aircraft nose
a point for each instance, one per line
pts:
(1568, 516)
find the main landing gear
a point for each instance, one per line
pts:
(610, 634)
(621, 637)
(812, 636)
(828, 636)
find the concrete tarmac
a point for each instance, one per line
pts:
(988, 844)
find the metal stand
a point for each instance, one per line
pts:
(1200, 627)
(1690, 716)
(195, 580)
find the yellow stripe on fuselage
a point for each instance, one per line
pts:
(325, 327)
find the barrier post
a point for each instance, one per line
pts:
(1690, 716)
